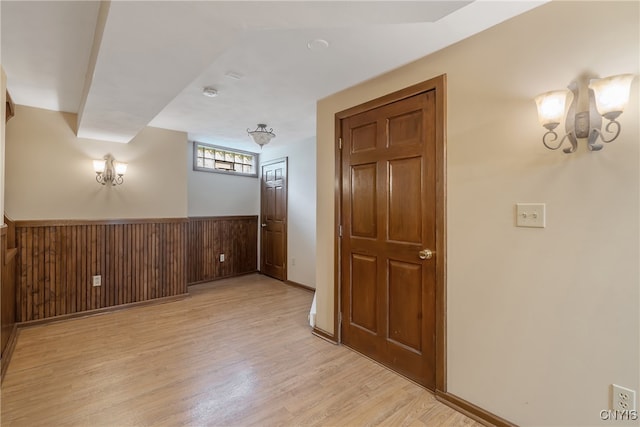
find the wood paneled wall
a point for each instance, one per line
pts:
(8, 283)
(10, 108)
(138, 260)
(236, 237)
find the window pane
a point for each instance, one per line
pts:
(224, 165)
(222, 159)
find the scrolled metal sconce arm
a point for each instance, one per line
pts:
(606, 128)
(551, 136)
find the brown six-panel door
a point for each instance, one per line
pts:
(388, 217)
(273, 253)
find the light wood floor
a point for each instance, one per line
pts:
(235, 352)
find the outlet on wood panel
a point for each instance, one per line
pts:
(221, 257)
(96, 280)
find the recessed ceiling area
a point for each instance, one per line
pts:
(45, 49)
(124, 65)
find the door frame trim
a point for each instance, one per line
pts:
(439, 84)
(284, 159)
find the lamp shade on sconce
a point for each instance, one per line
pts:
(98, 165)
(612, 94)
(121, 168)
(551, 107)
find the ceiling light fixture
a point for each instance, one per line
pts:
(607, 98)
(108, 171)
(234, 75)
(261, 135)
(210, 92)
(317, 44)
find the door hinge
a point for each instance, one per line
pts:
(340, 231)
(340, 143)
(340, 318)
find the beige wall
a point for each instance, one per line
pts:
(50, 174)
(540, 321)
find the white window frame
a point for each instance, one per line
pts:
(255, 156)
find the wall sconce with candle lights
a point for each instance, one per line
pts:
(606, 98)
(108, 171)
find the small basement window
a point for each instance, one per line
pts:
(212, 158)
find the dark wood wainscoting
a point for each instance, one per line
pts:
(235, 236)
(138, 260)
(8, 285)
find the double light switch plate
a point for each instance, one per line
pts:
(530, 215)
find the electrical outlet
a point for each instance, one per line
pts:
(221, 257)
(293, 262)
(622, 398)
(96, 280)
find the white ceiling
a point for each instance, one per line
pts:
(131, 64)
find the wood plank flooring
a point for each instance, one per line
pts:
(235, 352)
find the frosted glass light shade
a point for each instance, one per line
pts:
(551, 107)
(261, 135)
(261, 138)
(98, 165)
(612, 94)
(121, 168)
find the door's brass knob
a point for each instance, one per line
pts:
(425, 254)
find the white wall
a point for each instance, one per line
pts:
(540, 321)
(49, 171)
(301, 228)
(215, 194)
